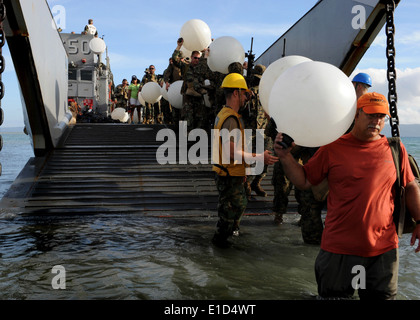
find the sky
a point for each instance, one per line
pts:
(141, 33)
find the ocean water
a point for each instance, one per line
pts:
(135, 257)
(413, 147)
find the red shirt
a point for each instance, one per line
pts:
(361, 177)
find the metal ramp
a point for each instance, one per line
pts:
(112, 168)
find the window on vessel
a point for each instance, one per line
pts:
(86, 75)
(72, 74)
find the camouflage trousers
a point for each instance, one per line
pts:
(310, 210)
(176, 115)
(153, 113)
(166, 109)
(194, 113)
(251, 145)
(231, 205)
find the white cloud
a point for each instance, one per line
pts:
(411, 39)
(408, 91)
(380, 40)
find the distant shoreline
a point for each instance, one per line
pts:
(406, 130)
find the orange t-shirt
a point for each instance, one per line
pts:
(361, 177)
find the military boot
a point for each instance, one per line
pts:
(220, 237)
(278, 218)
(256, 187)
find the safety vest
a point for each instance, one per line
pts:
(234, 169)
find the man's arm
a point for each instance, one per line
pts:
(265, 157)
(412, 200)
(292, 169)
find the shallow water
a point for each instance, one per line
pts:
(133, 257)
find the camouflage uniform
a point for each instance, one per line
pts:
(217, 97)
(232, 200)
(152, 111)
(310, 209)
(255, 118)
(166, 110)
(121, 94)
(180, 64)
(232, 204)
(194, 112)
(170, 75)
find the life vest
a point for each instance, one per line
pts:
(231, 169)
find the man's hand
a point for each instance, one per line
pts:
(269, 158)
(415, 236)
(280, 151)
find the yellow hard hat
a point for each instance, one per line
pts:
(234, 81)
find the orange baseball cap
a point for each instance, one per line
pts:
(373, 102)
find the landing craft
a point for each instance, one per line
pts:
(52, 68)
(89, 76)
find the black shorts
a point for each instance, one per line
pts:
(339, 275)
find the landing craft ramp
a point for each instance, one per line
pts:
(112, 168)
(336, 32)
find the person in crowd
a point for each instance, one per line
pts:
(171, 74)
(231, 172)
(361, 82)
(194, 74)
(133, 92)
(152, 110)
(90, 28)
(255, 118)
(194, 111)
(121, 95)
(309, 207)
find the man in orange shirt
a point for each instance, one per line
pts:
(359, 229)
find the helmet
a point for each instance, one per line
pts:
(363, 78)
(235, 81)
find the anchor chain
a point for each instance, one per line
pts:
(391, 71)
(2, 66)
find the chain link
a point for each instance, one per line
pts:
(391, 72)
